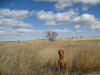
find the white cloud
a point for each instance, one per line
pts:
(87, 19)
(92, 2)
(14, 32)
(62, 30)
(13, 18)
(85, 31)
(55, 18)
(12, 22)
(71, 16)
(42, 15)
(63, 33)
(22, 30)
(84, 19)
(1, 32)
(81, 31)
(32, 13)
(14, 13)
(51, 22)
(61, 4)
(77, 26)
(96, 25)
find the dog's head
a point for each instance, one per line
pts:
(61, 53)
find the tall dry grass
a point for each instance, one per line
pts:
(39, 57)
(85, 62)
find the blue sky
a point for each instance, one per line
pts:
(30, 19)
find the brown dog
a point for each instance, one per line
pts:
(62, 62)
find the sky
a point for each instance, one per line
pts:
(30, 19)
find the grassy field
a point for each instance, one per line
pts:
(39, 57)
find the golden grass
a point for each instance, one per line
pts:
(39, 57)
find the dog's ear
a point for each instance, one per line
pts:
(63, 51)
(59, 51)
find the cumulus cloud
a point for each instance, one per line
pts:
(92, 2)
(22, 30)
(42, 15)
(14, 32)
(84, 19)
(14, 13)
(77, 26)
(61, 4)
(63, 33)
(85, 31)
(12, 22)
(87, 19)
(61, 30)
(32, 13)
(1, 32)
(13, 17)
(51, 18)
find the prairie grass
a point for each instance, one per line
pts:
(39, 57)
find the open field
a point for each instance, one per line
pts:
(39, 57)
